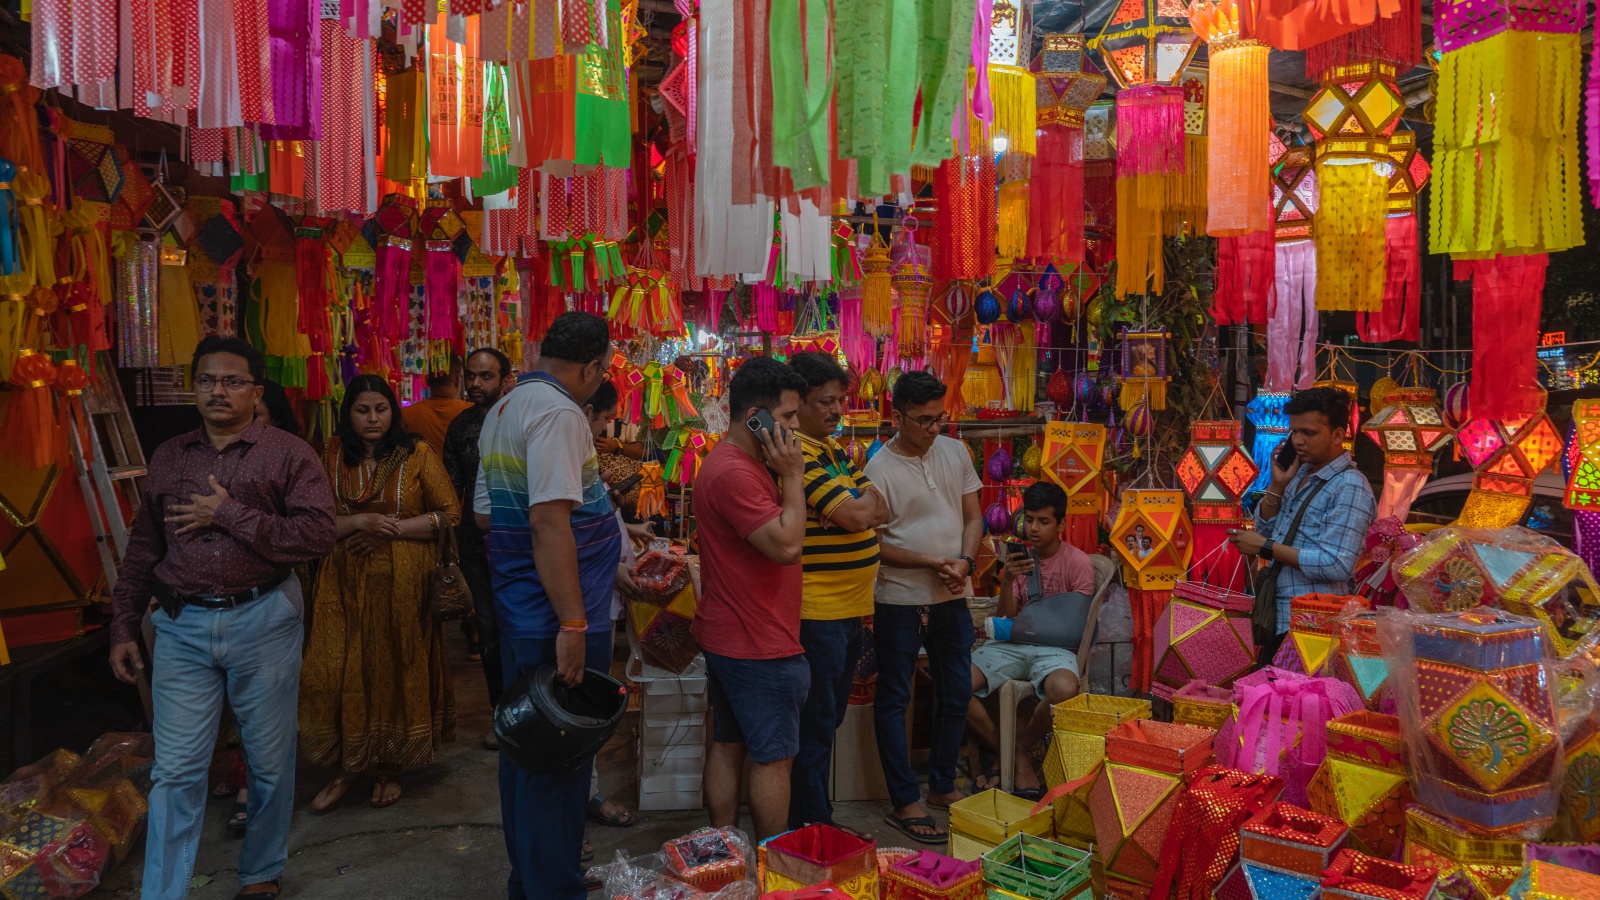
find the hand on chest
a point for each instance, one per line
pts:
(250, 484)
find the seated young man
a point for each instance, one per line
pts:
(1053, 671)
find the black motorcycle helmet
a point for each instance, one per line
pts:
(548, 728)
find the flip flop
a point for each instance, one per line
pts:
(1034, 794)
(587, 853)
(597, 813)
(238, 820)
(905, 825)
(385, 781)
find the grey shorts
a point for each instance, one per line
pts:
(1003, 661)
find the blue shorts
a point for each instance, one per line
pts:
(756, 702)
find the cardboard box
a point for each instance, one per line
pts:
(857, 774)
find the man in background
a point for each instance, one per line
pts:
(750, 508)
(488, 376)
(840, 564)
(431, 418)
(926, 551)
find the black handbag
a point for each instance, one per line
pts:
(1264, 614)
(1054, 621)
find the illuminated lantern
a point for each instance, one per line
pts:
(1362, 780)
(1144, 369)
(1066, 84)
(1470, 865)
(1266, 413)
(1582, 467)
(1011, 114)
(1506, 458)
(1240, 119)
(1215, 472)
(1309, 645)
(1506, 128)
(1292, 328)
(1402, 283)
(1352, 116)
(1073, 455)
(1409, 428)
(1155, 542)
(1135, 794)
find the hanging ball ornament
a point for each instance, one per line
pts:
(1456, 409)
(958, 302)
(988, 307)
(999, 466)
(1059, 389)
(872, 450)
(997, 518)
(1141, 424)
(1108, 395)
(1019, 525)
(1047, 304)
(1021, 307)
(1377, 398)
(1031, 458)
(1085, 388)
(1094, 313)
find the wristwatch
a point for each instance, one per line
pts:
(1266, 549)
(972, 565)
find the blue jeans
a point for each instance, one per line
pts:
(832, 647)
(251, 655)
(544, 815)
(948, 636)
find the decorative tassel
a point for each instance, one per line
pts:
(1055, 201)
(1150, 131)
(1246, 267)
(1396, 39)
(1011, 239)
(1350, 236)
(37, 247)
(652, 491)
(1013, 95)
(1140, 268)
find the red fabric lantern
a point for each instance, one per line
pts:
(1506, 291)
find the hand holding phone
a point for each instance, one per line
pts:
(1285, 463)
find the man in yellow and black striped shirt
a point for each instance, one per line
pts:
(840, 565)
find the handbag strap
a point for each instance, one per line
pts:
(1035, 580)
(444, 540)
(1294, 526)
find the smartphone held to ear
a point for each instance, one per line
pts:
(1286, 455)
(763, 421)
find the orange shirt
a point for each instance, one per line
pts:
(431, 418)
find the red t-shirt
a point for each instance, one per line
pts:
(749, 605)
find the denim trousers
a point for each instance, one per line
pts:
(481, 584)
(948, 636)
(251, 655)
(544, 815)
(831, 647)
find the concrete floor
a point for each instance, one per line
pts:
(443, 838)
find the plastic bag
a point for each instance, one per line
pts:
(1477, 706)
(710, 858)
(1357, 659)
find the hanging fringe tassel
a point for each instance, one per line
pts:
(1055, 202)
(1396, 39)
(1398, 320)
(1246, 267)
(1011, 239)
(877, 301)
(1507, 183)
(1140, 268)
(1013, 93)
(1239, 180)
(1150, 131)
(964, 222)
(1350, 237)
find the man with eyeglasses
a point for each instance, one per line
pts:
(926, 553)
(227, 511)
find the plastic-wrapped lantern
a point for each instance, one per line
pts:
(1085, 388)
(1031, 458)
(1059, 390)
(998, 467)
(1021, 307)
(988, 307)
(997, 518)
(1456, 411)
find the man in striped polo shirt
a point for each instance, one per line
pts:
(840, 564)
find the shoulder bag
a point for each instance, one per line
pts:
(448, 594)
(1054, 621)
(1264, 614)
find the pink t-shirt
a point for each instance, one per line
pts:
(1069, 571)
(749, 605)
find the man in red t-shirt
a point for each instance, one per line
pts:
(750, 513)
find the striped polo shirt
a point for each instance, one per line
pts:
(839, 566)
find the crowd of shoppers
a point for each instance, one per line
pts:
(805, 559)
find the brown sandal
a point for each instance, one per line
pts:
(378, 790)
(342, 781)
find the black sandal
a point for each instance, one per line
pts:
(905, 825)
(238, 820)
(270, 894)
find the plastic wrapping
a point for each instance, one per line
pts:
(710, 858)
(1282, 726)
(1470, 867)
(1477, 706)
(1311, 637)
(660, 615)
(1578, 689)
(653, 877)
(1357, 659)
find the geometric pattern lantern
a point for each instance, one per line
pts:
(1399, 319)
(1411, 172)
(1011, 85)
(1409, 429)
(1073, 455)
(1146, 44)
(1583, 482)
(1506, 458)
(1215, 472)
(1362, 782)
(1155, 542)
(1295, 198)
(1135, 794)
(1066, 84)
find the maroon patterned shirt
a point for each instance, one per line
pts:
(279, 512)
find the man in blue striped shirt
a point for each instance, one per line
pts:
(1333, 531)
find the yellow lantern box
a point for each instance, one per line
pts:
(1470, 867)
(984, 821)
(1077, 750)
(1362, 781)
(1203, 705)
(1311, 632)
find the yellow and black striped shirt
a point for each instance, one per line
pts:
(840, 566)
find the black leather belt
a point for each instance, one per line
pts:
(172, 601)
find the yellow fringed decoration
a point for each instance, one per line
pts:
(912, 338)
(981, 384)
(1140, 268)
(1013, 94)
(1149, 391)
(1011, 239)
(1350, 236)
(877, 302)
(1179, 199)
(652, 491)
(1015, 356)
(37, 248)
(1239, 181)
(1506, 170)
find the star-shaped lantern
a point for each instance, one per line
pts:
(1506, 457)
(1147, 42)
(1411, 172)
(1066, 81)
(1294, 189)
(1409, 428)
(1215, 472)
(1073, 455)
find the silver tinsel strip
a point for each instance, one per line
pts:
(138, 296)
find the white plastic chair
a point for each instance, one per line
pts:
(1014, 691)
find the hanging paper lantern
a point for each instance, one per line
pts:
(1214, 473)
(958, 302)
(1067, 83)
(1134, 796)
(1020, 309)
(1073, 455)
(1240, 119)
(1144, 369)
(1352, 116)
(1155, 542)
(999, 465)
(1456, 410)
(1011, 114)
(877, 301)
(1399, 319)
(1518, 67)
(988, 307)
(1106, 395)
(1203, 634)
(1506, 458)
(1146, 45)
(1265, 412)
(1409, 428)
(997, 518)
(1031, 460)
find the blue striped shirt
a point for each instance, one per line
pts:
(1332, 534)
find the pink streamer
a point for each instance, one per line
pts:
(1592, 122)
(391, 282)
(442, 277)
(296, 40)
(1150, 131)
(1292, 318)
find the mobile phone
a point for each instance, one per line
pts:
(1286, 455)
(763, 421)
(1014, 548)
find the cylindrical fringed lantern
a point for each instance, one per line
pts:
(1239, 119)
(913, 285)
(1246, 267)
(1398, 320)
(964, 222)
(1010, 114)
(1506, 293)
(1506, 128)
(1352, 116)
(1065, 85)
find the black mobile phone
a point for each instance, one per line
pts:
(1286, 454)
(763, 421)
(1015, 548)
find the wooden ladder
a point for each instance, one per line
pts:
(111, 469)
